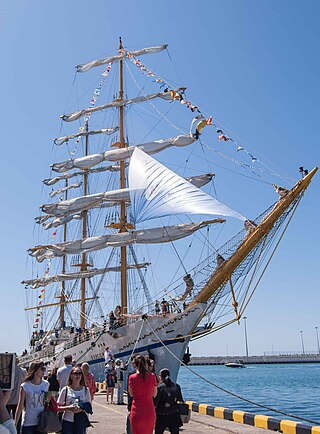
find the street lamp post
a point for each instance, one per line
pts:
(302, 343)
(317, 339)
(245, 335)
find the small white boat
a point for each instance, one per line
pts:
(235, 364)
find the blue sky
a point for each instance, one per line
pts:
(253, 64)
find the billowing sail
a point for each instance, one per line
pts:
(52, 181)
(70, 117)
(44, 281)
(64, 189)
(143, 236)
(121, 154)
(87, 66)
(156, 191)
(78, 204)
(108, 131)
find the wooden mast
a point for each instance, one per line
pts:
(123, 217)
(84, 236)
(64, 260)
(224, 272)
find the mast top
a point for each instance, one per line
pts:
(120, 43)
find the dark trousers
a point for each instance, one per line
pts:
(32, 429)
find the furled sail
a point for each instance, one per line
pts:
(78, 204)
(58, 221)
(200, 180)
(143, 236)
(108, 131)
(64, 189)
(44, 281)
(84, 202)
(87, 66)
(156, 191)
(121, 153)
(52, 181)
(169, 96)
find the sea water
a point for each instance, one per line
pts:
(292, 388)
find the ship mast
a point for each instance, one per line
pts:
(64, 260)
(84, 236)
(123, 217)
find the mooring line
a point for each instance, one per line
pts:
(225, 390)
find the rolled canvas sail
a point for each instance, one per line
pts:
(121, 154)
(44, 281)
(108, 131)
(70, 117)
(150, 50)
(156, 191)
(143, 236)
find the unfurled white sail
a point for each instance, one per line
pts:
(78, 204)
(44, 281)
(82, 203)
(156, 191)
(168, 96)
(121, 153)
(64, 189)
(108, 131)
(143, 236)
(52, 181)
(87, 66)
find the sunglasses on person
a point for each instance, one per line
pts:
(77, 373)
(43, 368)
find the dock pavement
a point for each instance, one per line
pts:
(112, 418)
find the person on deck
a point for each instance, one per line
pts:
(142, 388)
(167, 410)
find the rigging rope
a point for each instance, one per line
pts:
(275, 410)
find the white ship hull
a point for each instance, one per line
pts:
(173, 330)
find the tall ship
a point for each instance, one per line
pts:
(134, 251)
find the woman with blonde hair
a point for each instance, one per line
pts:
(89, 379)
(32, 396)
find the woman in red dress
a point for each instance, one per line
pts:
(142, 388)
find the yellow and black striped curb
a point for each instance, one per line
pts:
(259, 421)
(102, 386)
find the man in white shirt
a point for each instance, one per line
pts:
(64, 372)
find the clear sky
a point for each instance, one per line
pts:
(255, 65)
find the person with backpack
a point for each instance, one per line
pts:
(166, 404)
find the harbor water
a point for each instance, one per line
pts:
(292, 388)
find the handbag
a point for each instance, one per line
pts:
(184, 412)
(48, 421)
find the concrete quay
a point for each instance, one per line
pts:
(112, 418)
(285, 358)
